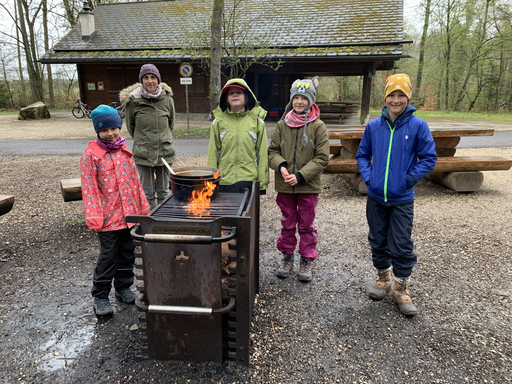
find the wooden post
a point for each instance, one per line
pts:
(369, 72)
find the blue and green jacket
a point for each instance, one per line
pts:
(393, 156)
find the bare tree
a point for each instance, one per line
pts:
(476, 52)
(47, 48)
(216, 52)
(26, 22)
(421, 59)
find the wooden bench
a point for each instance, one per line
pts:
(461, 174)
(71, 189)
(6, 203)
(339, 117)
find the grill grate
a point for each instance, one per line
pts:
(224, 204)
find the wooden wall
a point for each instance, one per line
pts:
(101, 83)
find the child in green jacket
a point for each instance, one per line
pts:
(299, 152)
(238, 138)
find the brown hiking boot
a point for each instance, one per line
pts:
(305, 270)
(382, 285)
(286, 266)
(402, 296)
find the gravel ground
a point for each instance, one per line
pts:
(326, 331)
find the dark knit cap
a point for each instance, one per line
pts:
(105, 117)
(149, 68)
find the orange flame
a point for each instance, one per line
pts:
(200, 201)
(217, 174)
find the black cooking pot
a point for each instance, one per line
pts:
(189, 179)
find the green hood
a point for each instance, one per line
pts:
(252, 107)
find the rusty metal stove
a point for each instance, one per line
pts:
(190, 313)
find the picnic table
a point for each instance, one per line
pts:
(338, 111)
(459, 173)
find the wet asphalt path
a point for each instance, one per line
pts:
(184, 147)
(192, 147)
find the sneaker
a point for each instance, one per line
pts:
(126, 295)
(286, 266)
(102, 307)
(305, 270)
(382, 285)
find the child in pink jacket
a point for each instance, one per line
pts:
(111, 190)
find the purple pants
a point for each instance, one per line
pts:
(298, 211)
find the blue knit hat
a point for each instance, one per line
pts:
(104, 117)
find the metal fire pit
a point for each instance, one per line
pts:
(190, 313)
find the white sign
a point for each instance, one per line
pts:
(185, 80)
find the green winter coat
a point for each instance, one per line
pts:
(238, 141)
(286, 147)
(150, 123)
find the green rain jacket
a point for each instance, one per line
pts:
(310, 162)
(150, 122)
(238, 141)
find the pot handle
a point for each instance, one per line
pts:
(182, 310)
(182, 239)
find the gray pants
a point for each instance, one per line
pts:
(155, 183)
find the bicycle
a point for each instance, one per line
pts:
(81, 110)
(119, 108)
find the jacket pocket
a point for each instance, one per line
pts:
(140, 150)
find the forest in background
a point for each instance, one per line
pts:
(461, 57)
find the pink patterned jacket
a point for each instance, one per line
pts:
(111, 189)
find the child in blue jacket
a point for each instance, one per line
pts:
(397, 150)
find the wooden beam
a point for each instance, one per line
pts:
(369, 72)
(339, 165)
(71, 189)
(6, 203)
(472, 163)
(458, 181)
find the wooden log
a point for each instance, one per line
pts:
(339, 165)
(351, 145)
(6, 203)
(347, 154)
(458, 181)
(71, 189)
(356, 182)
(446, 142)
(335, 149)
(472, 163)
(445, 152)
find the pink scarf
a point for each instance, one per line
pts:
(294, 120)
(111, 145)
(147, 95)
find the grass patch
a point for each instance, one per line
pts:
(466, 117)
(195, 133)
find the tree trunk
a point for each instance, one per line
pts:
(71, 17)
(498, 82)
(216, 53)
(422, 46)
(20, 66)
(476, 52)
(29, 46)
(11, 99)
(47, 48)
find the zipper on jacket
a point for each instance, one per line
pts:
(157, 133)
(387, 162)
(295, 155)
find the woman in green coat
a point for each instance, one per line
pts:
(150, 121)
